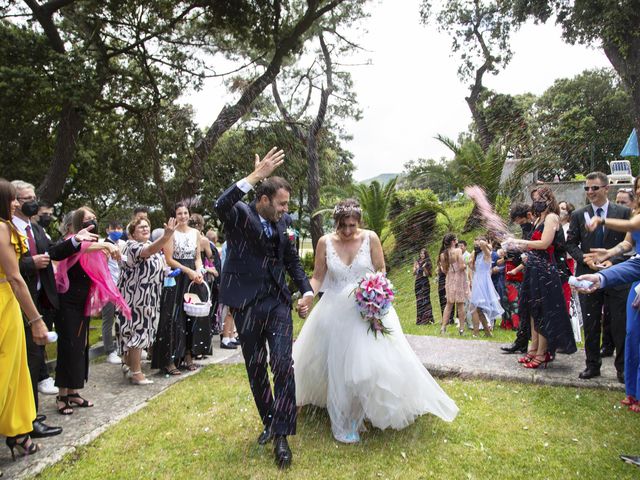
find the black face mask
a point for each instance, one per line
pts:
(539, 206)
(89, 223)
(477, 251)
(45, 221)
(30, 208)
(526, 229)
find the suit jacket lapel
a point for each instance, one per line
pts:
(280, 231)
(612, 212)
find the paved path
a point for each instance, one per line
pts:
(116, 398)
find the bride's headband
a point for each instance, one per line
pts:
(347, 210)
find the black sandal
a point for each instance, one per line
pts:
(77, 401)
(23, 448)
(172, 371)
(66, 408)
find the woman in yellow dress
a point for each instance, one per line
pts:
(17, 406)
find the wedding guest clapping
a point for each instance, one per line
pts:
(140, 283)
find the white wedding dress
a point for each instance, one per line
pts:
(342, 367)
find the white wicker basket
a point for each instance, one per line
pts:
(198, 309)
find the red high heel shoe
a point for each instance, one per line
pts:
(628, 401)
(537, 362)
(531, 354)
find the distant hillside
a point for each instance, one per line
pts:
(383, 178)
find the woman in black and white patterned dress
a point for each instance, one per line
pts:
(141, 286)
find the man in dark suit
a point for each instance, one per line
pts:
(611, 301)
(35, 268)
(259, 254)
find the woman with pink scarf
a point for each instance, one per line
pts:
(85, 285)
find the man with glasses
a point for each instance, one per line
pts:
(606, 306)
(36, 269)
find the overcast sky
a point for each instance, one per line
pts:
(411, 92)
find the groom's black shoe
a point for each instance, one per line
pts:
(265, 437)
(282, 452)
(514, 348)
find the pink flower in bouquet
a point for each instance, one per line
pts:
(374, 295)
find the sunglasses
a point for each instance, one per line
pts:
(594, 188)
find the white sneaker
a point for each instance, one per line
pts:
(143, 355)
(114, 359)
(47, 387)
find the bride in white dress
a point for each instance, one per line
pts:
(341, 366)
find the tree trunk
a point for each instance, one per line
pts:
(627, 65)
(474, 220)
(71, 123)
(313, 200)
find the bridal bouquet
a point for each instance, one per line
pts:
(374, 295)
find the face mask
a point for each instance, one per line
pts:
(539, 206)
(526, 228)
(89, 223)
(477, 251)
(45, 221)
(115, 236)
(29, 209)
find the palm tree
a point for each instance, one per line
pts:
(375, 200)
(471, 165)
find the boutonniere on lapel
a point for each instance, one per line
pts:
(292, 234)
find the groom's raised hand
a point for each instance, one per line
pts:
(265, 167)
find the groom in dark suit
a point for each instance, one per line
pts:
(254, 287)
(610, 302)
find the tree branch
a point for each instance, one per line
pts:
(291, 122)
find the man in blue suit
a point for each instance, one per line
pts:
(259, 254)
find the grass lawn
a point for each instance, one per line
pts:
(206, 426)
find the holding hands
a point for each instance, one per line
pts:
(304, 305)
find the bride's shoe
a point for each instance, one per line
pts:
(352, 437)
